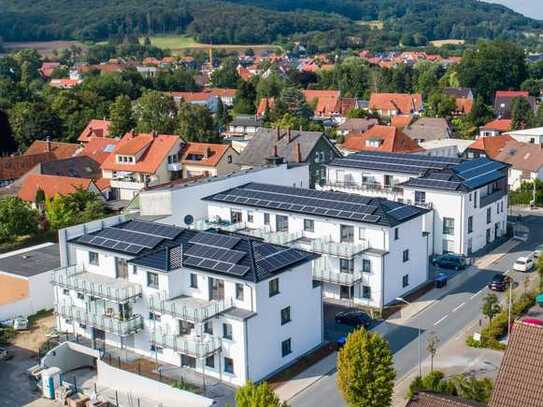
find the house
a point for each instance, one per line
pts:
(372, 250)
(270, 146)
(468, 198)
(241, 129)
(526, 161)
(325, 103)
(401, 120)
(428, 128)
(226, 306)
(264, 104)
(142, 160)
(95, 128)
(47, 69)
(13, 168)
(208, 160)
(226, 95)
(380, 138)
(449, 147)
(98, 148)
(488, 146)
(463, 98)
(206, 99)
(65, 83)
(25, 277)
(391, 104)
(519, 381)
(534, 135)
(355, 126)
(496, 127)
(503, 102)
(427, 399)
(59, 149)
(53, 185)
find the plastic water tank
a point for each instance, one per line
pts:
(51, 379)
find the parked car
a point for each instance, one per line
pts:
(538, 251)
(523, 264)
(451, 261)
(354, 318)
(499, 282)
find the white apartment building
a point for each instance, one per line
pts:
(372, 249)
(232, 307)
(468, 198)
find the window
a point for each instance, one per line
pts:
(406, 255)
(193, 280)
(347, 234)
(448, 226)
(228, 365)
(266, 219)
(250, 217)
(80, 296)
(285, 315)
(361, 233)
(154, 317)
(239, 291)
(488, 215)
(420, 197)
(66, 291)
(135, 270)
(185, 327)
(396, 233)
(210, 361)
(235, 217)
(366, 292)
(156, 349)
(366, 266)
(208, 327)
(227, 331)
(274, 287)
(470, 197)
(309, 225)
(93, 258)
(346, 266)
(405, 280)
(152, 280)
(475, 199)
(229, 159)
(281, 223)
(286, 347)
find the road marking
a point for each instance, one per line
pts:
(441, 320)
(476, 294)
(460, 306)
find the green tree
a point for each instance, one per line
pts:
(366, 374)
(257, 395)
(491, 306)
(17, 218)
(522, 114)
(538, 121)
(432, 382)
(222, 116)
(60, 212)
(359, 113)
(441, 105)
(30, 121)
(244, 101)
(480, 113)
(7, 142)
(155, 111)
(292, 101)
(227, 75)
(121, 116)
(533, 86)
(432, 343)
(427, 78)
(195, 123)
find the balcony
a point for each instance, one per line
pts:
(324, 246)
(127, 184)
(96, 285)
(195, 346)
(363, 186)
(322, 273)
(204, 224)
(175, 167)
(493, 197)
(189, 308)
(280, 238)
(109, 324)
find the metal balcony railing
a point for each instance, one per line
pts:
(76, 278)
(195, 346)
(345, 250)
(204, 224)
(491, 198)
(324, 274)
(110, 324)
(364, 186)
(189, 309)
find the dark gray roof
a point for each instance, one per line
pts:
(77, 167)
(33, 262)
(165, 248)
(503, 105)
(428, 128)
(458, 92)
(328, 204)
(262, 144)
(246, 121)
(239, 313)
(357, 125)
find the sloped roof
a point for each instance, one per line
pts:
(426, 399)
(76, 167)
(209, 154)
(403, 102)
(464, 105)
(191, 97)
(327, 101)
(59, 149)
(357, 125)
(512, 93)
(401, 120)
(501, 125)
(221, 92)
(51, 185)
(95, 128)
(263, 103)
(390, 139)
(428, 128)
(99, 148)
(15, 167)
(491, 146)
(519, 381)
(522, 156)
(457, 93)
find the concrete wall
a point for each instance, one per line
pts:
(69, 356)
(39, 297)
(140, 386)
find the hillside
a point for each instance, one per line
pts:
(261, 21)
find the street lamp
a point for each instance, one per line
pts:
(400, 299)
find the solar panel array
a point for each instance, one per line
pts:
(152, 228)
(281, 259)
(111, 244)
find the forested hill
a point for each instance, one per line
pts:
(260, 21)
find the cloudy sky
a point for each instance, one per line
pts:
(531, 8)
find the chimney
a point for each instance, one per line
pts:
(299, 152)
(207, 153)
(289, 135)
(48, 144)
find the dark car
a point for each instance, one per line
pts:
(353, 318)
(499, 282)
(451, 261)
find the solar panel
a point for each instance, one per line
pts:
(215, 239)
(152, 228)
(222, 267)
(85, 238)
(134, 249)
(208, 264)
(109, 243)
(371, 218)
(98, 241)
(127, 236)
(192, 261)
(404, 212)
(121, 246)
(238, 270)
(281, 259)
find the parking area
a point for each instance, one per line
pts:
(333, 330)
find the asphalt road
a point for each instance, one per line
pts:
(445, 318)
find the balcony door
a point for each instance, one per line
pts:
(121, 268)
(188, 361)
(216, 289)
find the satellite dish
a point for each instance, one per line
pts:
(189, 220)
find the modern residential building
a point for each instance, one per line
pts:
(449, 147)
(228, 306)
(468, 197)
(373, 250)
(533, 136)
(208, 159)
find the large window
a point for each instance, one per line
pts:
(366, 266)
(346, 265)
(286, 347)
(448, 226)
(309, 225)
(239, 292)
(227, 331)
(228, 365)
(235, 217)
(210, 361)
(347, 233)
(285, 315)
(274, 287)
(366, 292)
(266, 219)
(250, 217)
(470, 224)
(420, 197)
(93, 258)
(281, 223)
(193, 280)
(152, 280)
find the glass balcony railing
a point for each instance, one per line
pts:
(189, 308)
(110, 324)
(204, 224)
(335, 277)
(195, 346)
(345, 250)
(363, 186)
(280, 238)
(95, 285)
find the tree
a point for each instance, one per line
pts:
(533, 86)
(227, 75)
(538, 121)
(121, 116)
(16, 219)
(195, 123)
(7, 142)
(292, 101)
(432, 342)
(155, 111)
(441, 105)
(30, 121)
(480, 113)
(365, 370)
(522, 114)
(244, 101)
(257, 395)
(60, 212)
(222, 117)
(491, 306)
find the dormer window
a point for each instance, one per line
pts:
(374, 142)
(125, 159)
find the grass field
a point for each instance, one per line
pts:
(45, 48)
(441, 43)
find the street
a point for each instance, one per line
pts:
(446, 318)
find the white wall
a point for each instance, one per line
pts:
(40, 297)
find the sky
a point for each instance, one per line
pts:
(531, 8)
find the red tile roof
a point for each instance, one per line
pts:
(512, 93)
(47, 68)
(327, 101)
(403, 102)
(501, 125)
(263, 104)
(95, 128)
(191, 97)
(12, 168)
(401, 120)
(99, 148)
(464, 105)
(244, 73)
(51, 185)
(157, 148)
(522, 156)
(59, 149)
(64, 83)
(491, 146)
(426, 399)
(213, 152)
(221, 92)
(389, 139)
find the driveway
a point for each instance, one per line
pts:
(17, 388)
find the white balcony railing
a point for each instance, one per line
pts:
(363, 186)
(323, 273)
(195, 346)
(127, 184)
(175, 167)
(189, 309)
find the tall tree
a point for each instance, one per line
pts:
(292, 101)
(227, 75)
(16, 219)
(121, 116)
(195, 123)
(245, 100)
(257, 395)
(31, 121)
(491, 306)
(7, 142)
(441, 105)
(522, 114)
(365, 370)
(155, 111)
